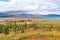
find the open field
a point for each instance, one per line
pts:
(16, 19)
(30, 30)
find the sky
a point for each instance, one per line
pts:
(34, 6)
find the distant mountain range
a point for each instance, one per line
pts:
(52, 16)
(24, 14)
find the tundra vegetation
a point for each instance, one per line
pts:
(30, 30)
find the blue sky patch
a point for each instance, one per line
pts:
(4, 0)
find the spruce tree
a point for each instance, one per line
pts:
(1, 28)
(6, 30)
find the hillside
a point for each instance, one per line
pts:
(24, 14)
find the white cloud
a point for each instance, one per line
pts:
(30, 7)
(48, 6)
(15, 5)
(45, 13)
(40, 6)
